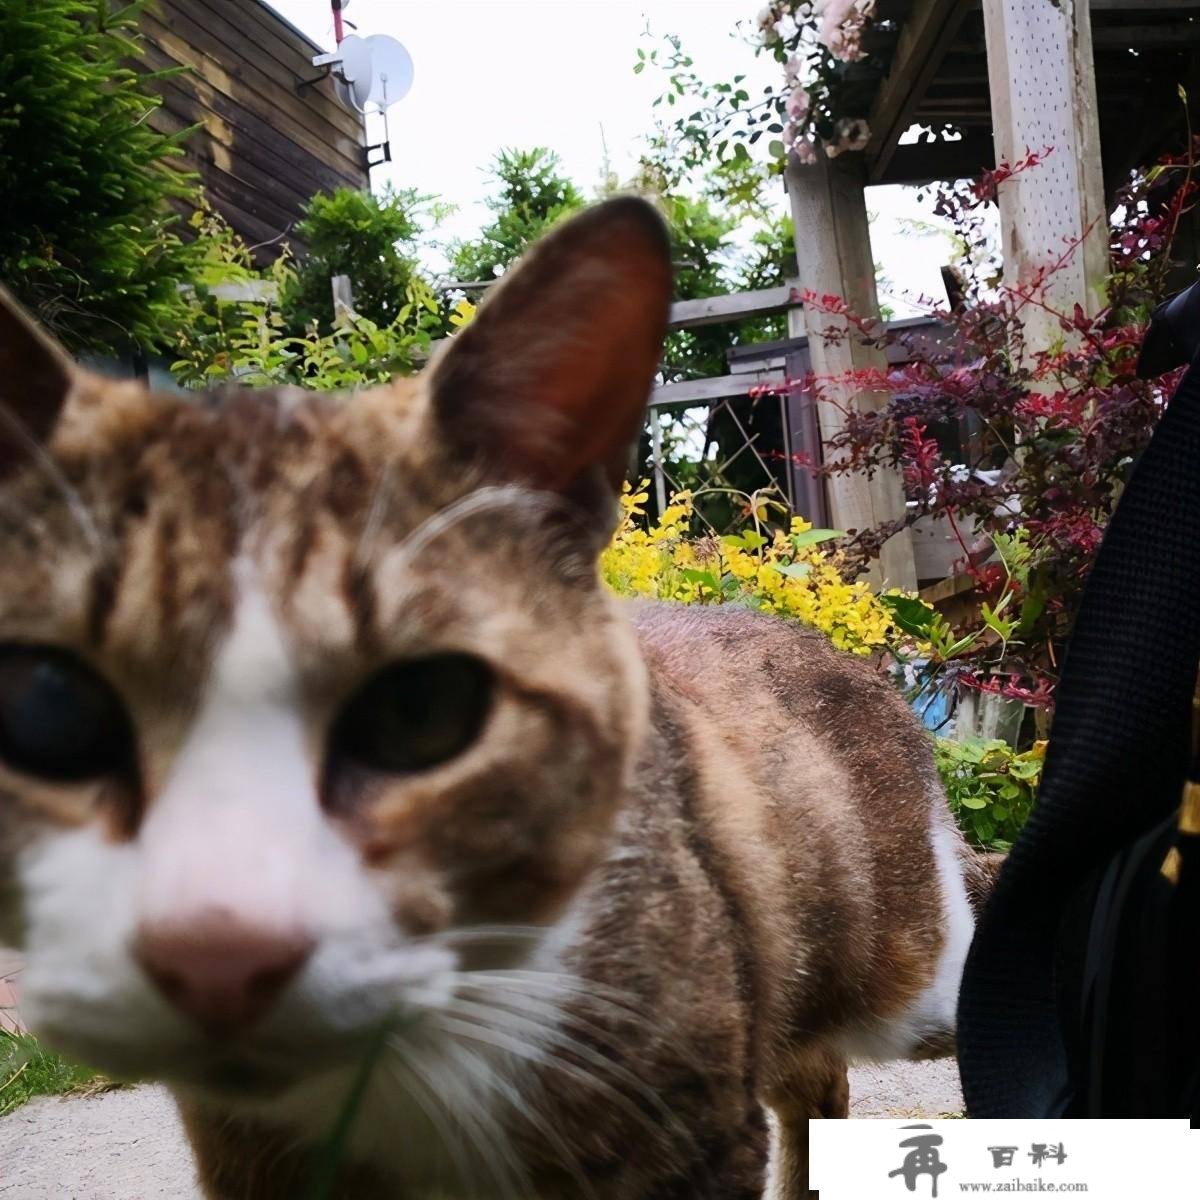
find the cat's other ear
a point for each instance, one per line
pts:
(35, 378)
(547, 386)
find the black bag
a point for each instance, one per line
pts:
(1081, 994)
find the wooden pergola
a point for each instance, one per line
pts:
(988, 80)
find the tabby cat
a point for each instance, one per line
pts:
(338, 794)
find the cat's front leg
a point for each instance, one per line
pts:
(816, 1086)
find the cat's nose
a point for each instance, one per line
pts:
(220, 971)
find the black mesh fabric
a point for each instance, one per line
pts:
(1117, 758)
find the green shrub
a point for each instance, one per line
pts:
(531, 194)
(85, 183)
(372, 239)
(991, 788)
(251, 341)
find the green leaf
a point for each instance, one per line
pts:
(910, 614)
(750, 540)
(1025, 769)
(707, 578)
(814, 537)
(794, 570)
(973, 802)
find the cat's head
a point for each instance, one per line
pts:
(310, 703)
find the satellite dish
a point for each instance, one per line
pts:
(371, 72)
(352, 72)
(391, 70)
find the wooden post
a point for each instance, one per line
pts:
(1043, 87)
(343, 298)
(833, 254)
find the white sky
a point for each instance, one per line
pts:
(496, 73)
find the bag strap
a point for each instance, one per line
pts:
(1118, 755)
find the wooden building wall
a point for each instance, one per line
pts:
(262, 149)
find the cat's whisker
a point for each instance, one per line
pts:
(555, 1065)
(81, 514)
(653, 1028)
(484, 1079)
(548, 1006)
(623, 1021)
(542, 989)
(484, 1143)
(549, 982)
(485, 935)
(414, 1084)
(544, 1046)
(552, 1031)
(524, 1108)
(381, 498)
(481, 500)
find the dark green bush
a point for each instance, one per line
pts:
(531, 194)
(373, 239)
(87, 238)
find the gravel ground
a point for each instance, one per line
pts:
(127, 1144)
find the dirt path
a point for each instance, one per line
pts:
(127, 1144)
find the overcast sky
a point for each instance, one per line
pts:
(497, 73)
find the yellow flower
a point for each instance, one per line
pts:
(670, 562)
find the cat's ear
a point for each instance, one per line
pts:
(35, 378)
(548, 384)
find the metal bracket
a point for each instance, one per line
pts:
(385, 156)
(301, 84)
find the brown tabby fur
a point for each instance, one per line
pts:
(733, 816)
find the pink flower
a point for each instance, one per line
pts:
(766, 21)
(797, 104)
(842, 25)
(843, 43)
(792, 70)
(854, 131)
(805, 152)
(850, 133)
(788, 136)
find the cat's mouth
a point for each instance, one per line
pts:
(241, 1078)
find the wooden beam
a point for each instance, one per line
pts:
(713, 390)
(738, 306)
(833, 256)
(1142, 9)
(247, 291)
(1144, 37)
(1043, 87)
(925, 38)
(924, 162)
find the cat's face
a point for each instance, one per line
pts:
(310, 705)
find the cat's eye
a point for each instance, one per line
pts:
(59, 720)
(414, 715)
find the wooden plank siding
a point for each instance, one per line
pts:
(261, 148)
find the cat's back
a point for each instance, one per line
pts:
(818, 782)
(736, 665)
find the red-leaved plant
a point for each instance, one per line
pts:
(1051, 435)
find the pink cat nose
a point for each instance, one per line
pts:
(221, 972)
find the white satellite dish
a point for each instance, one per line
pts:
(391, 70)
(370, 73)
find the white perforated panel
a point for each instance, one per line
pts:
(1040, 101)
